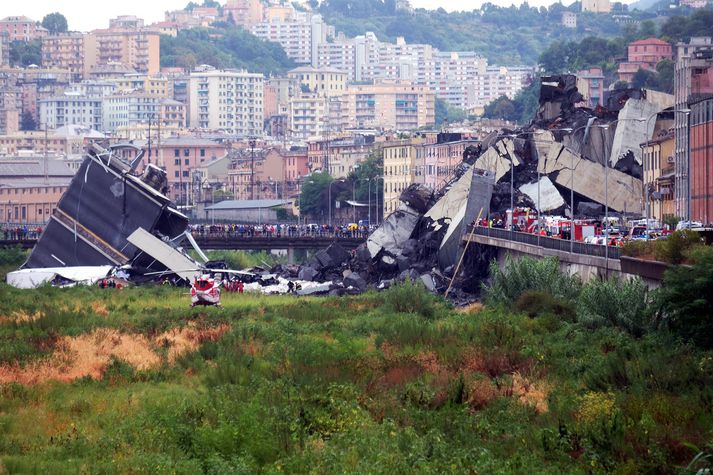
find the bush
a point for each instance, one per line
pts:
(410, 297)
(529, 274)
(536, 303)
(685, 300)
(624, 305)
(12, 256)
(638, 248)
(675, 248)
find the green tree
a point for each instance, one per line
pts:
(55, 23)
(364, 177)
(665, 69)
(447, 113)
(645, 79)
(314, 195)
(686, 299)
(27, 122)
(25, 53)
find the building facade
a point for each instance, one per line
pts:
(702, 160)
(226, 100)
(71, 109)
(21, 28)
(644, 54)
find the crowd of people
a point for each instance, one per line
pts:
(20, 232)
(352, 230)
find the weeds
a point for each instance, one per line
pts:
(624, 305)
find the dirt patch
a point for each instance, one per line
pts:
(474, 307)
(84, 355)
(100, 309)
(21, 317)
(480, 392)
(187, 339)
(529, 393)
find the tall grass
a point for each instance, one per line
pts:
(529, 274)
(617, 303)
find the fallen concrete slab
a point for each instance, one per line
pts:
(172, 258)
(33, 278)
(624, 191)
(545, 196)
(394, 231)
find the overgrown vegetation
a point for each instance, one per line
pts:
(394, 382)
(675, 249)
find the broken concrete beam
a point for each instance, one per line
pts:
(549, 197)
(632, 129)
(417, 196)
(624, 191)
(394, 231)
(307, 273)
(496, 159)
(355, 280)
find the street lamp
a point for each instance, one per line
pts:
(252, 142)
(376, 189)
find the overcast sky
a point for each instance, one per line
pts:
(84, 15)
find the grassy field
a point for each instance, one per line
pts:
(134, 381)
(551, 376)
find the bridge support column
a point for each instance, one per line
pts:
(291, 255)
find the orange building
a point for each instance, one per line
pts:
(21, 28)
(644, 54)
(29, 190)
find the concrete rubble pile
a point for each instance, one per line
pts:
(567, 150)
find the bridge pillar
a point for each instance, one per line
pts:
(291, 255)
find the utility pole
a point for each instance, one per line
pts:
(252, 168)
(149, 159)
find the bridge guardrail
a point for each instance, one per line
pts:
(549, 243)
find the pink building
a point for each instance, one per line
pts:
(21, 28)
(440, 160)
(644, 54)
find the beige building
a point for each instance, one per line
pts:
(392, 105)
(143, 83)
(400, 170)
(596, 6)
(65, 51)
(137, 49)
(229, 100)
(321, 81)
(29, 190)
(659, 174)
(267, 177)
(245, 13)
(309, 116)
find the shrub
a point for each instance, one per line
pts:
(536, 303)
(12, 256)
(638, 248)
(529, 274)
(410, 297)
(614, 303)
(685, 300)
(675, 248)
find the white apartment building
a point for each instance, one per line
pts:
(299, 36)
(229, 100)
(309, 116)
(71, 109)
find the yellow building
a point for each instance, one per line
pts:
(153, 86)
(659, 174)
(391, 105)
(400, 170)
(245, 13)
(321, 81)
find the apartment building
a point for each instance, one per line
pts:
(321, 81)
(440, 158)
(67, 141)
(127, 110)
(299, 35)
(71, 109)
(137, 49)
(9, 110)
(145, 84)
(590, 83)
(569, 19)
(701, 159)
(658, 177)
(64, 51)
(180, 157)
(257, 174)
(339, 156)
(693, 77)
(245, 13)
(393, 105)
(228, 100)
(126, 22)
(309, 116)
(596, 6)
(400, 170)
(21, 28)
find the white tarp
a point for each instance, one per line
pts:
(549, 197)
(32, 278)
(178, 262)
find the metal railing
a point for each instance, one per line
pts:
(546, 242)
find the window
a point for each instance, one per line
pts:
(202, 152)
(176, 173)
(177, 161)
(186, 152)
(187, 161)
(185, 173)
